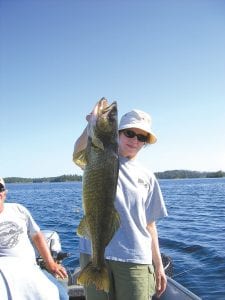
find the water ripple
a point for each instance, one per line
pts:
(193, 233)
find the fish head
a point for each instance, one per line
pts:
(103, 126)
(107, 118)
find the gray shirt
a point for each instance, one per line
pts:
(139, 201)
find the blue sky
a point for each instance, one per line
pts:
(58, 58)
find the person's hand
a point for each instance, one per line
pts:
(94, 111)
(57, 270)
(88, 117)
(161, 281)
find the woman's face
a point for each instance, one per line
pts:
(129, 143)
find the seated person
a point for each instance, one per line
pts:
(20, 276)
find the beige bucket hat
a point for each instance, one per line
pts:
(138, 119)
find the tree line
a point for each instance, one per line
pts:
(62, 178)
(173, 174)
(179, 174)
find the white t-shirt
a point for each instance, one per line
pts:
(139, 201)
(16, 227)
(20, 276)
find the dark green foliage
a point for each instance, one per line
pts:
(62, 178)
(177, 174)
(173, 174)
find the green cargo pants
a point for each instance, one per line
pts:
(128, 281)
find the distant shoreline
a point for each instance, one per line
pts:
(172, 174)
(179, 174)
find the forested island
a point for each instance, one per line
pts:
(62, 178)
(181, 174)
(173, 174)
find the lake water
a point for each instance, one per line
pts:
(193, 234)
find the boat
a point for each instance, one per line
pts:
(174, 290)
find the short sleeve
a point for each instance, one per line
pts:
(32, 226)
(155, 205)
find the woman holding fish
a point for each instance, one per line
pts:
(120, 256)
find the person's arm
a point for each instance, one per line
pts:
(43, 249)
(161, 279)
(81, 143)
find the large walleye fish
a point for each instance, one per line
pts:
(100, 162)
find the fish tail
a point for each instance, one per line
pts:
(93, 275)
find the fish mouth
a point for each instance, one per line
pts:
(104, 108)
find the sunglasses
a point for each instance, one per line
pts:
(2, 188)
(131, 134)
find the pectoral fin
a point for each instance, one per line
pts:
(79, 159)
(97, 143)
(82, 229)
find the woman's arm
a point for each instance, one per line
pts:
(81, 143)
(161, 279)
